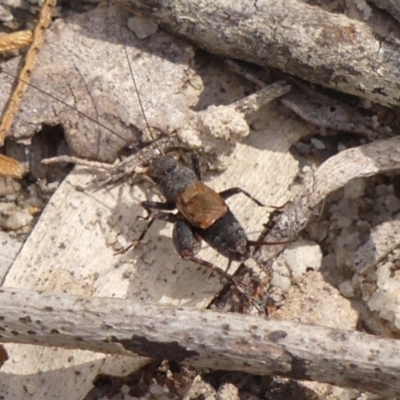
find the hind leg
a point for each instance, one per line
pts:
(167, 217)
(236, 190)
(187, 243)
(156, 205)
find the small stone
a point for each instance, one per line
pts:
(156, 389)
(318, 144)
(125, 389)
(53, 186)
(341, 147)
(19, 220)
(346, 289)
(5, 14)
(343, 222)
(303, 256)
(382, 190)
(392, 203)
(228, 391)
(354, 189)
(344, 393)
(281, 282)
(142, 27)
(348, 208)
(349, 238)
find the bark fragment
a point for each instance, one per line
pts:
(321, 47)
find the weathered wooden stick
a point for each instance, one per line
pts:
(329, 49)
(358, 162)
(201, 338)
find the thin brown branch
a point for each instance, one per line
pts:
(15, 40)
(30, 62)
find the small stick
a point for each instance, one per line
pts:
(15, 40)
(11, 167)
(30, 62)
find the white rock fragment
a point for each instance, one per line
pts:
(386, 298)
(5, 14)
(9, 187)
(53, 186)
(228, 391)
(19, 220)
(7, 208)
(386, 304)
(142, 27)
(283, 283)
(346, 289)
(383, 276)
(224, 123)
(344, 393)
(156, 389)
(383, 237)
(302, 256)
(121, 243)
(190, 137)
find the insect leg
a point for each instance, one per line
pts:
(156, 205)
(187, 244)
(159, 216)
(236, 190)
(167, 217)
(196, 165)
(229, 265)
(261, 243)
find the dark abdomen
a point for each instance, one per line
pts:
(227, 237)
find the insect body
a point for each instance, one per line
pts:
(202, 213)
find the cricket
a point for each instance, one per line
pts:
(202, 213)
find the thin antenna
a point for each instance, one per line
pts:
(140, 100)
(66, 104)
(93, 103)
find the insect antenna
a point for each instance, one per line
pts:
(140, 103)
(94, 105)
(63, 102)
(94, 120)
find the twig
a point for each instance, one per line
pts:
(358, 162)
(315, 45)
(11, 167)
(201, 338)
(30, 62)
(15, 40)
